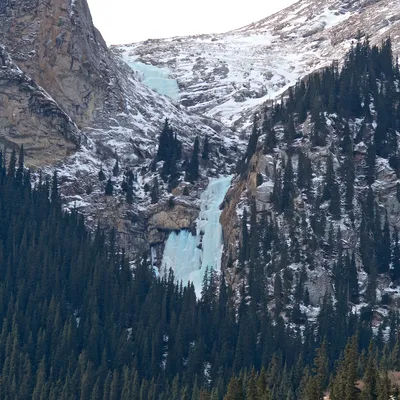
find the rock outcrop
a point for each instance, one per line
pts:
(30, 117)
(57, 45)
(169, 218)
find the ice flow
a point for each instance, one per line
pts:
(155, 78)
(190, 255)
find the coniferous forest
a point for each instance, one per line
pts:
(79, 320)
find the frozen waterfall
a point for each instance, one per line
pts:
(155, 78)
(190, 255)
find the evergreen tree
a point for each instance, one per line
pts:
(371, 164)
(155, 191)
(192, 169)
(20, 171)
(129, 194)
(319, 130)
(395, 272)
(12, 164)
(205, 155)
(288, 187)
(384, 250)
(349, 177)
(109, 188)
(347, 142)
(101, 175)
(304, 174)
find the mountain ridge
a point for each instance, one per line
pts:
(274, 53)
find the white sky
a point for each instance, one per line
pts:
(126, 21)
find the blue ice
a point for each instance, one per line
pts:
(190, 255)
(156, 78)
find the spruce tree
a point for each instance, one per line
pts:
(20, 171)
(370, 164)
(288, 187)
(129, 194)
(12, 164)
(101, 175)
(319, 130)
(395, 271)
(329, 180)
(205, 155)
(347, 142)
(192, 169)
(304, 174)
(155, 191)
(349, 177)
(109, 188)
(384, 250)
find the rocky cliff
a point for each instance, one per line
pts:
(57, 45)
(30, 117)
(78, 108)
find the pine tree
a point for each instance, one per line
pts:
(55, 197)
(20, 171)
(334, 206)
(101, 175)
(395, 271)
(155, 192)
(129, 194)
(347, 142)
(319, 130)
(270, 139)
(353, 280)
(235, 390)
(109, 188)
(276, 197)
(371, 285)
(289, 133)
(371, 375)
(371, 164)
(192, 169)
(304, 174)
(349, 178)
(385, 248)
(278, 294)
(288, 187)
(12, 164)
(329, 180)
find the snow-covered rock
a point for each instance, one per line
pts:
(228, 76)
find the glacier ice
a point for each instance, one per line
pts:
(190, 255)
(155, 78)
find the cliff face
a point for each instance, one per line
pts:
(29, 116)
(56, 44)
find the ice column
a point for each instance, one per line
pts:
(190, 255)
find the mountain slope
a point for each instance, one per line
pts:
(228, 76)
(314, 214)
(55, 46)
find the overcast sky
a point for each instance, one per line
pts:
(125, 21)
